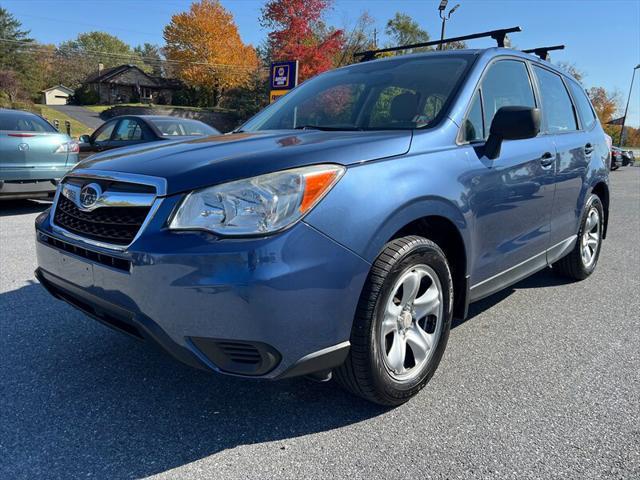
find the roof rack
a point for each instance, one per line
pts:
(497, 35)
(543, 52)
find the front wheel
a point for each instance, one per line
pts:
(582, 260)
(402, 324)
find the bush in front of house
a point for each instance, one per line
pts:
(85, 96)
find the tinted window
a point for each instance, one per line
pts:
(104, 132)
(23, 122)
(472, 129)
(587, 117)
(179, 127)
(557, 108)
(128, 130)
(402, 93)
(506, 83)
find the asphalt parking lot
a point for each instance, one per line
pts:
(543, 381)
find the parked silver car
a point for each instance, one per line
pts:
(34, 156)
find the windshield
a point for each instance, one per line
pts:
(23, 122)
(404, 93)
(170, 127)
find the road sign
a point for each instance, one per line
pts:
(282, 78)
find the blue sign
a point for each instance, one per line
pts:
(284, 75)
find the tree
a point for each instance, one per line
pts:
(359, 39)
(298, 33)
(572, 70)
(607, 107)
(10, 86)
(403, 30)
(207, 51)
(14, 43)
(151, 58)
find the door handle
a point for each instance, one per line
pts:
(588, 149)
(547, 159)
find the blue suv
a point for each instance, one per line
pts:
(343, 227)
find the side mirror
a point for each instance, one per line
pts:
(511, 123)
(84, 139)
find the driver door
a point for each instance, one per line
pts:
(511, 197)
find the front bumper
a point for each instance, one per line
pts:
(214, 303)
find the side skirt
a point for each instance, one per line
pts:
(520, 271)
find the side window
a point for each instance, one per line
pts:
(557, 108)
(585, 111)
(104, 133)
(128, 130)
(472, 128)
(506, 84)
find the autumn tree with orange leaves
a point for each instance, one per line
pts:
(298, 33)
(206, 51)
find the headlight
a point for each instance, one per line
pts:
(258, 205)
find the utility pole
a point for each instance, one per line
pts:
(441, 12)
(626, 109)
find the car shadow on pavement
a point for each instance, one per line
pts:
(544, 278)
(80, 400)
(22, 207)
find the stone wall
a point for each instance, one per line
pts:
(223, 121)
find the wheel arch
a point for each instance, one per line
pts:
(601, 189)
(448, 236)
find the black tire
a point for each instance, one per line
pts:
(573, 265)
(364, 372)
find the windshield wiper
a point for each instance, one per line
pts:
(327, 129)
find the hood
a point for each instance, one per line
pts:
(203, 161)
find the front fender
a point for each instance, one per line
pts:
(375, 200)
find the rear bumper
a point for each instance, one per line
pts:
(274, 307)
(10, 190)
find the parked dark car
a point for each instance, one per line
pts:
(616, 158)
(628, 158)
(34, 156)
(343, 227)
(130, 130)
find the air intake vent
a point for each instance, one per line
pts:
(242, 358)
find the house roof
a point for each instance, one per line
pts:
(67, 90)
(110, 75)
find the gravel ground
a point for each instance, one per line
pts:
(541, 382)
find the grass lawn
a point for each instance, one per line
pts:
(77, 128)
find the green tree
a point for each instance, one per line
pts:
(403, 30)
(14, 43)
(152, 58)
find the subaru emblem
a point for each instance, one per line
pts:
(89, 195)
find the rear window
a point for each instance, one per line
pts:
(174, 127)
(23, 122)
(585, 112)
(557, 108)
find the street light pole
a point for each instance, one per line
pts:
(441, 12)
(626, 109)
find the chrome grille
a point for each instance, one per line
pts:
(114, 218)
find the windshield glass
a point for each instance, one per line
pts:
(404, 93)
(23, 122)
(170, 127)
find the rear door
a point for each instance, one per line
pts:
(574, 146)
(511, 196)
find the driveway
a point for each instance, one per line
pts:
(543, 381)
(90, 118)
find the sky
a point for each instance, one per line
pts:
(602, 37)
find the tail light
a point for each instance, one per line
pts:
(69, 147)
